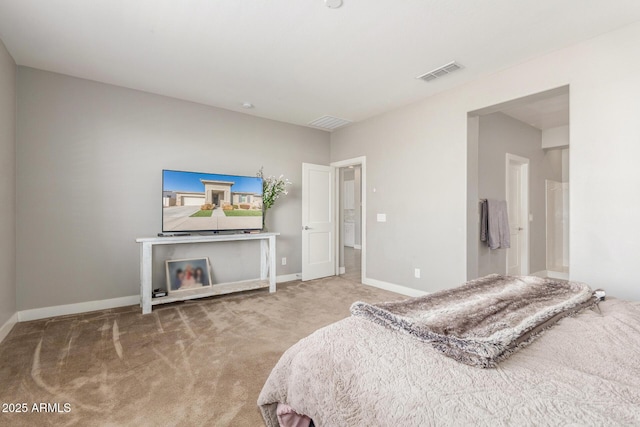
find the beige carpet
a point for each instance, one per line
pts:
(194, 363)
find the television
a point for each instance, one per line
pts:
(208, 202)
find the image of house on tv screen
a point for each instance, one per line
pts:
(210, 202)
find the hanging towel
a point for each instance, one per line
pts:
(498, 225)
(484, 221)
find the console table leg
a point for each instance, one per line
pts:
(264, 260)
(272, 264)
(141, 275)
(145, 277)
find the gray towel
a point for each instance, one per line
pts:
(498, 227)
(484, 221)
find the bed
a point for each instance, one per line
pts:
(584, 370)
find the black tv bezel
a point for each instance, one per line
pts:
(226, 230)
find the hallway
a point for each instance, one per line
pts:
(352, 264)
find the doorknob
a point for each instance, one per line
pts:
(306, 227)
(520, 228)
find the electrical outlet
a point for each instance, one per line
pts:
(284, 261)
(416, 273)
(382, 217)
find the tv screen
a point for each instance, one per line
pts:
(193, 201)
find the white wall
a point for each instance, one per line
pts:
(7, 188)
(89, 162)
(422, 149)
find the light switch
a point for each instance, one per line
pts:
(382, 217)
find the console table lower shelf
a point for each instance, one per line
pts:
(217, 289)
(267, 268)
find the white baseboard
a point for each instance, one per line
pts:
(8, 325)
(342, 270)
(288, 277)
(84, 307)
(81, 307)
(403, 290)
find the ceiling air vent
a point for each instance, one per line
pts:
(440, 71)
(328, 123)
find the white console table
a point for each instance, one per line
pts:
(267, 267)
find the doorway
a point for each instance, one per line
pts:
(350, 222)
(351, 218)
(517, 192)
(534, 128)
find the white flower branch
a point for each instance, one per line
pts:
(272, 188)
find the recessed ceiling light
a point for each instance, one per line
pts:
(247, 105)
(333, 4)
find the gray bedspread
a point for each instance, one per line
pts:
(583, 371)
(485, 320)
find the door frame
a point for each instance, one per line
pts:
(362, 161)
(523, 163)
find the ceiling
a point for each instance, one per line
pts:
(296, 60)
(543, 113)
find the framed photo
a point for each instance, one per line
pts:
(188, 274)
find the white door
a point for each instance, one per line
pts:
(517, 194)
(318, 226)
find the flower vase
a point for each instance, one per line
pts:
(264, 219)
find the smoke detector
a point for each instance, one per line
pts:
(440, 71)
(333, 4)
(328, 123)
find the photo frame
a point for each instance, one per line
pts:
(188, 274)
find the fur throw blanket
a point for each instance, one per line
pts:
(484, 320)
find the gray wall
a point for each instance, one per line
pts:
(500, 134)
(7, 185)
(89, 163)
(415, 177)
